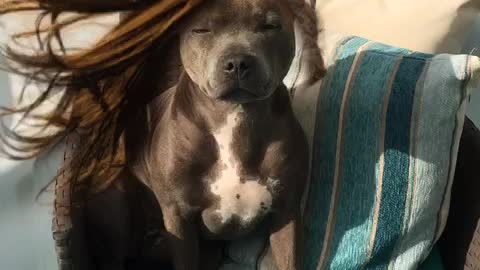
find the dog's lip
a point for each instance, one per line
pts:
(239, 94)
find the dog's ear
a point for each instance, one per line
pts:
(311, 63)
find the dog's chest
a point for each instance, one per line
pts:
(236, 194)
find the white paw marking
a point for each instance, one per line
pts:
(245, 200)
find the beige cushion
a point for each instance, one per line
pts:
(431, 26)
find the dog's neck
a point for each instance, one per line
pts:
(208, 113)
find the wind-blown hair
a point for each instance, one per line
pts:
(100, 86)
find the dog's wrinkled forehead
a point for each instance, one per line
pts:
(244, 13)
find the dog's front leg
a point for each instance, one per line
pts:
(286, 242)
(183, 240)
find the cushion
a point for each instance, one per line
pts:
(384, 127)
(387, 128)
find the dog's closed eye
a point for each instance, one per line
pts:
(271, 26)
(272, 21)
(201, 31)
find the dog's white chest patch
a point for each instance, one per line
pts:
(243, 199)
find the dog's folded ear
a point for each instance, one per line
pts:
(308, 65)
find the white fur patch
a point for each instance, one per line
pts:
(245, 200)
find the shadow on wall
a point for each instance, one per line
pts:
(466, 19)
(468, 45)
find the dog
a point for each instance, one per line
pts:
(223, 151)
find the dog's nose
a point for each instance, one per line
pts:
(238, 65)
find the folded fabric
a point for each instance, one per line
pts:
(384, 127)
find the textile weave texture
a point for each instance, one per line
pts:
(386, 135)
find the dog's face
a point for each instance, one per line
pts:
(238, 50)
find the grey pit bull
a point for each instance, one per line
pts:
(223, 152)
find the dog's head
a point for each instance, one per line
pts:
(238, 50)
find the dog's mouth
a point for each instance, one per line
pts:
(240, 95)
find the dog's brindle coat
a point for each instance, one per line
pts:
(222, 151)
